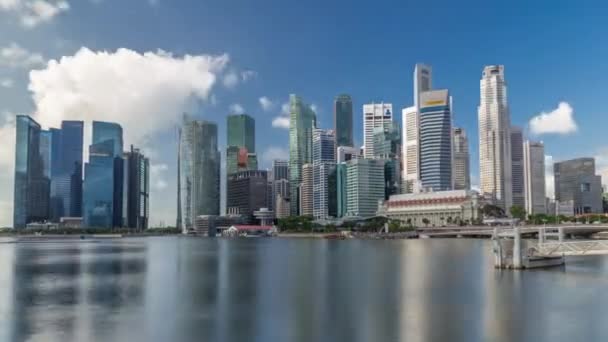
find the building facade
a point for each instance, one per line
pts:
(534, 178)
(246, 193)
(31, 187)
(98, 192)
(423, 81)
(306, 191)
(495, 138)
(375, 115)
(461, 160)
(324, 165)
(434, 209)
(410, 152)
(302, 120)
(240, 151)
(199, 172)
(136, 207)
(364, 186)
(517, 166)
(343, 120)
(280, 169)
(435, 140)
(576, 181)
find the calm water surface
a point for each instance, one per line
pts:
(187, 289)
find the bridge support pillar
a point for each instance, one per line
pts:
(541, 235)
(517, 263)
(497, 249)
(561, 235)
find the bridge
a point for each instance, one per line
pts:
(528, 230)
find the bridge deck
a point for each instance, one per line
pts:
(571, 248)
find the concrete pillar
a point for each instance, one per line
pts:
(560, 233)
(541, 235)
(517, 264)
(497, 249)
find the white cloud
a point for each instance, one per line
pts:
(314, 108)
(231, 80)
(559, 121)
(248, 75)
(236, 108)
(158, 176)
(273, 153)
(266, 103)
(6, 83)
(280, 122)
(15, 56)
(34, 12)
(285, 108)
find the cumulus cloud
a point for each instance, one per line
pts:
(266, 103)
(273, 153)
(232, 78)
(558, 121)
(6, 83)
(282, 121)
(15, 56)
(236, 108)
(31, 13)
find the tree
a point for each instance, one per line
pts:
(517, 211)
(426, 222)
(490, 210)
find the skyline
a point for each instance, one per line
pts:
(250, 75)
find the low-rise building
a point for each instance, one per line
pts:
(438, 208)
(210, 225)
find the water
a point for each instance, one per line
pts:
(187, 289)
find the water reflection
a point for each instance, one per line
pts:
(183, 289)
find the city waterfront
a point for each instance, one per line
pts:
(187, 289)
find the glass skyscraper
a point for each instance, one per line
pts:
(301, 123)
(343, 120)
(136, 190)
(324, 165)
(103, 187)
(240, 153)
(199, 172)
(31, 187)
(66, 170)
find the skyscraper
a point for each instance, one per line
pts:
(495, 138)
(199, 178)
(375, 115)
(576, 181)
(240, 153)
(423, 81)
(534, 177)
(136, 207)
(66, 179)
(301, 123)
(306, 191)
(279, 181)
(365, 186)
(247, 193)
(280, 169)
(324, 164)
(343, 120)
(517, 166)
(461, 160)
(31, 187)
(98, 193)
(387, 146)
(436, 140)
(411, 170)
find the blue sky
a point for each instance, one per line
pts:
(553, 51)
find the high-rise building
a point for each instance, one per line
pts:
(387, 146)
(199, 178)
(136, 189)
(280, 169)
(306, 191)
(495, 138)
(576, 182)
(364, 186)
(410, 153)
(98, 194)
(343, 120)
(302, 120)
(346, 153)
(341, 190)
(436, 140)
(517, 166)
(31, 192)
(246, 193)
(324, 164)
(375, 115)
(534, 177)
(282, 207)
(240, 153)
(279, 182)
(461, 160)
(67, 162)
(423, 81)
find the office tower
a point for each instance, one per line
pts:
(306, 191)
(435, 140)
(302, 120)
(494, 138)
(343, 120)
(324, 164)
(534, 177)
(517, 167)
(31, 187)
(364, 186)
(246, 193)
(387, 145)
(375, 115)
(282, 207)
(461, 160)
(576, 182)
(199, 178)
(66, 179)
(280, 169)
(423, 75)
(240, 153)
(346, 153)
(410, 153)
(136, 208)
(341, 191)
